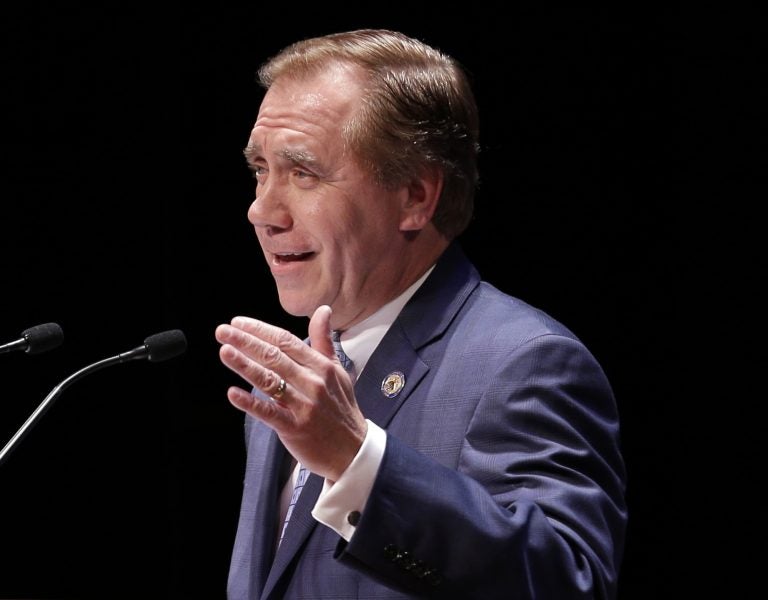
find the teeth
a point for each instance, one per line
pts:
(291, 253)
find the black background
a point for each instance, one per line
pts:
(124, 198)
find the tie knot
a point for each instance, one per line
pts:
(345, 361)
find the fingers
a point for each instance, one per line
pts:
(241, 358)
(269, 351)
(265, 355)
(247, 402)
(262, 339)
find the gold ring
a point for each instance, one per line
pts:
(280, 389)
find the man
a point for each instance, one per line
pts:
(471, 449)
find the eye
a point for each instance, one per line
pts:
(303, 178)
(258, 171)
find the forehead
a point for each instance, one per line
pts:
(317, 105)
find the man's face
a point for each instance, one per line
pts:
(330, 234)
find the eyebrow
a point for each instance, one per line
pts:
(303, 157)
(254, 151)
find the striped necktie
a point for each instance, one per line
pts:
(345, 361)
(301, 478)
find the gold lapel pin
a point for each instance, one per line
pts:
(392, 384)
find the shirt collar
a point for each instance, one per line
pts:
(360, 340)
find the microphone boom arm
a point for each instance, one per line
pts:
(158, 347)
(48, 401)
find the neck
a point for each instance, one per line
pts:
(411, 272)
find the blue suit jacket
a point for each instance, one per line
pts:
(502, 476)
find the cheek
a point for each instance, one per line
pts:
(374, 231)
(369, 216)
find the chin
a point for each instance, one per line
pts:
(297, 307)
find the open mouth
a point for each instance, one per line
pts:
(292, 257)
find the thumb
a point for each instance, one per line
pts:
(320, 331)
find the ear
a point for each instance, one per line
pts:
(420, 199)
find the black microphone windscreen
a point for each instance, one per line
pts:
(42, 338)
(165, 345)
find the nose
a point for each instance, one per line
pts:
(269, 209)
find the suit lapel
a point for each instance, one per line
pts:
(426, 316)
(265, 527)
(299, 527)
(394, 355)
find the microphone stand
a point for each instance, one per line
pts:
(156, 348)
(54, 393)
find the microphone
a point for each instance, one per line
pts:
(37, 339)
(156, 348)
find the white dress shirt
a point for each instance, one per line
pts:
(350, 492)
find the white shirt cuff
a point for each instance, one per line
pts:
(340, 504)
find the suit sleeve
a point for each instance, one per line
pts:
(534, 508)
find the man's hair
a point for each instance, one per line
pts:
(417, 112)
